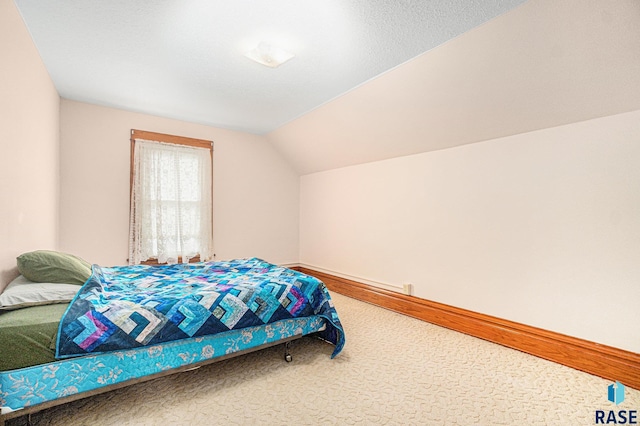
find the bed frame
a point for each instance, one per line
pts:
(290, 330)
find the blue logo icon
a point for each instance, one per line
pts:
(616, 393)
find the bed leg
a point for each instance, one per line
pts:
(287, 355)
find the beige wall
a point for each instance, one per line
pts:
(29, 116)
(255, 191)
(540, 228)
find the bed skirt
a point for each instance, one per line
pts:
(75, 378)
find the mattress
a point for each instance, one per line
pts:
(31, 334)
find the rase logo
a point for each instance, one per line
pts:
(615, 394)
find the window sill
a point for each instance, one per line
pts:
(155, 262)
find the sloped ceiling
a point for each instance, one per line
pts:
(544, 64)
(184, 59)
(372, 79)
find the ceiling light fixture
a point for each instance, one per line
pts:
(268, 55)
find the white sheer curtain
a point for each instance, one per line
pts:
(170, 203)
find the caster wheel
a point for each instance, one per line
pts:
(288, 358)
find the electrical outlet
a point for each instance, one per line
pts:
(407, 288)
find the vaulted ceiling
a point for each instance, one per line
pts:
(371, 79)
(184, 59)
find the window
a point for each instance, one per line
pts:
(171, 199)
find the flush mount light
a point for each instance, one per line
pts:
(268, 55)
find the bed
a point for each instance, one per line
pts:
(128, 324)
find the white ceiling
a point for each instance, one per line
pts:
(371, 80)
(184, 59)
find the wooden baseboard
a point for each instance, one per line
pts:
(601, 360)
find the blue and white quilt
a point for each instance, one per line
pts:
(126, 307)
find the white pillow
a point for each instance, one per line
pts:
(21, 293)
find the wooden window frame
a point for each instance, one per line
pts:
(176, 140)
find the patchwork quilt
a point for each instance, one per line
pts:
(126, 307)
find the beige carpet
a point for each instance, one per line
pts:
(394, 370)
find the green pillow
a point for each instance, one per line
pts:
(45, 266)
